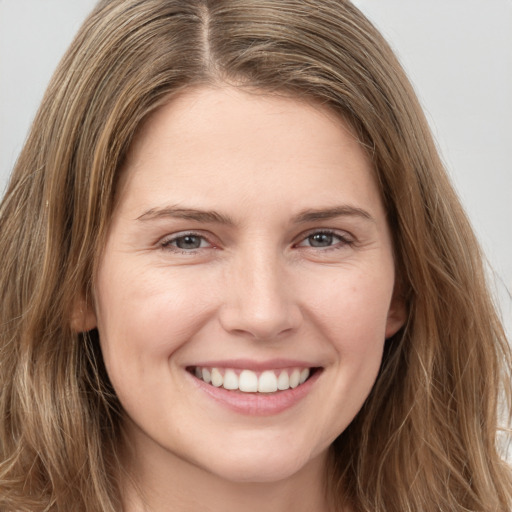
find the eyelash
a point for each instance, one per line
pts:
(344, 241)
(167, 242)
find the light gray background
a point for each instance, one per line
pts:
(458, 54)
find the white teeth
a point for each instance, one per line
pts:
(206, 375)
(267, 382)
(304, 374)
(295, 378)
(248, 381)
(230, 380)
(283, 382)
(217, 379)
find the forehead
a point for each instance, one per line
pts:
(211, 143)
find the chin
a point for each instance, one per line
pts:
(263, 466)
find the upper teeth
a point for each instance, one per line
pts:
(251, 382)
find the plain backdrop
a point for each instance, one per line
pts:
(458, 54)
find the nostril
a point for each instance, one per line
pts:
(261, 323)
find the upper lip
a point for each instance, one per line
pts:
(257, 366)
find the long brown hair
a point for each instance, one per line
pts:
(426, 438)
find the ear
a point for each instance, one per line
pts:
(397, 314)
(83, 316)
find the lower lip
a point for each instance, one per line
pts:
(257, 404)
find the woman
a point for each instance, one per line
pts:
(235, 275)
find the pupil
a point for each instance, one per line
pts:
(320, 240)
(188, 242)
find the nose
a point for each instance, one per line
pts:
(259, 299)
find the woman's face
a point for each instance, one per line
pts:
(249, 250)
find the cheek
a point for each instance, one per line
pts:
(351, 308)
(352, 316)
(353, 322)
(358, 335)
(144, 320)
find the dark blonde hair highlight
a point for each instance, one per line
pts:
(425, 440)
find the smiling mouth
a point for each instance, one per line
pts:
(248, 381)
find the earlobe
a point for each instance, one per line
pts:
(83, 317)
(397, 316)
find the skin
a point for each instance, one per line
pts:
(258, 288)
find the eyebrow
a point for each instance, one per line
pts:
(313, 215)
(211, 216)
(187, 214)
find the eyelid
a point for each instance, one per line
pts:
(166, 241)
(345, 237)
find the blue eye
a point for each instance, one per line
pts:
(321, 239)
(186, 242)
(324, 239)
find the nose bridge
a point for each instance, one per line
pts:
(260, 302)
